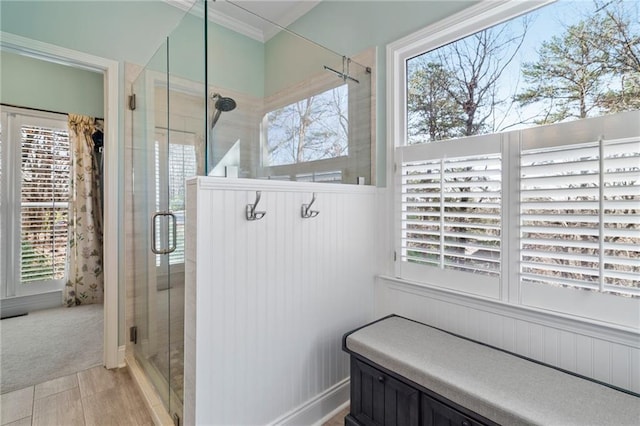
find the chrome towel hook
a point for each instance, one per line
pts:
(252, 213)
(306, 211)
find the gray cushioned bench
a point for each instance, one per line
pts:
(502, 387)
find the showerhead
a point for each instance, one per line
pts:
(225, 104)
(222, 105)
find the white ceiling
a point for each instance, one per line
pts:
(240, 15)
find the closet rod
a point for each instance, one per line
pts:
(41, 110)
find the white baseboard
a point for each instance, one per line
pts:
(20, 305)
(318, 409)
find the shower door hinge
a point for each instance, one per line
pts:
(132, 102)
(176, 419)
(133, 334)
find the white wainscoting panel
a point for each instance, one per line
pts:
(268, 301)
(609, 355)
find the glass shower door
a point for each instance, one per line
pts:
(169, 127)
(155, 226)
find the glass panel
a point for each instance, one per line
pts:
(186, 130)
(169, 129)
(283, 107)
(151, 273)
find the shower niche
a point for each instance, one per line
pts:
(213, 101)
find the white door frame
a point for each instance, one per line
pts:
(113, 357)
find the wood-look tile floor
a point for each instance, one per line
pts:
(338, 419)
(92, 397)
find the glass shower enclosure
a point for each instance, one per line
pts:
(216, 101)
(169, 126)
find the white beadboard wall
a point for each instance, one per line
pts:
(606, 354)
(268, 301)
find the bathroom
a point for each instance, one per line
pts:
(202, 105)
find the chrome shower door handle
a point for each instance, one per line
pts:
(174, 241)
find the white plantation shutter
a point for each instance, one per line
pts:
(621, 225)
(580, 208)
(172, 168)
(451, 213)
(182, 165)
(559, 215)
(450, 217)
(534, 213)
(45, 166)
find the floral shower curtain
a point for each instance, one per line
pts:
(85, 284)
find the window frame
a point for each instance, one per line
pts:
(351, 167)
(568, 302)
(11, 206)
(316, 85)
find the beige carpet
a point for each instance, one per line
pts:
(48, 344)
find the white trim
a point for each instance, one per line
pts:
(485, 14)
(239, 184)
(460, 25)
(264, 34)
(580, 303)
(12, 306)
(318, 409)
(109, 68)
(238, 26)
(583, 326)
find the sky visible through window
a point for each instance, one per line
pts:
(564, 61)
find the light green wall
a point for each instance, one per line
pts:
(349, 27)
(290, 59)
(34, 83)
(236, 62)
(121, 30)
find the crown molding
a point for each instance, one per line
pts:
(293, 13)
(237, 25)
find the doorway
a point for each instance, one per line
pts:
(112, 346)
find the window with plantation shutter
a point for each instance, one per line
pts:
(450, 218)
(580, 215)
(35, 189)
(515, 181)
(46, 165)
(549, 213)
